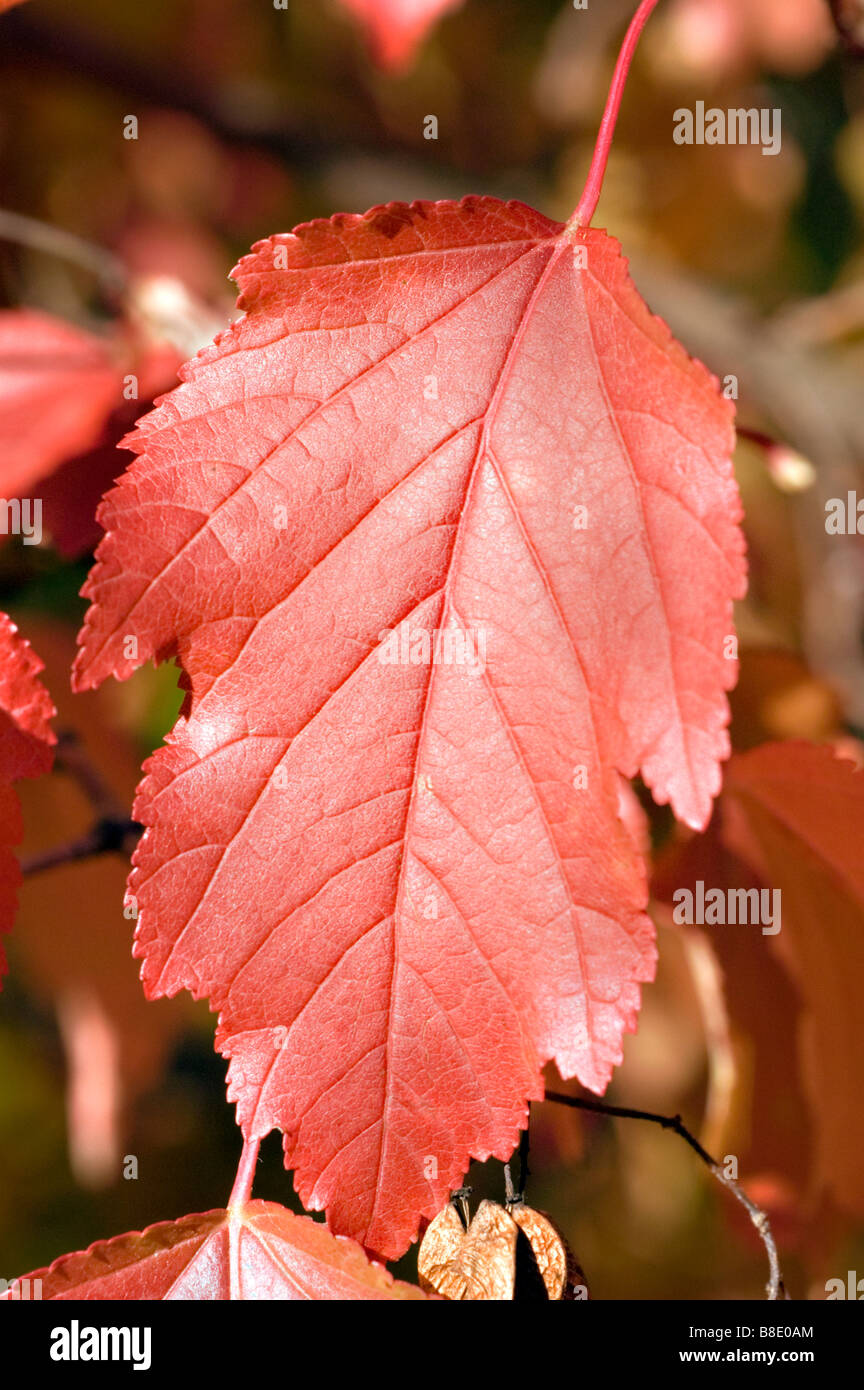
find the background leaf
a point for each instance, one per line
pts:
(26, 750)
(259, 1251)
(396, 28)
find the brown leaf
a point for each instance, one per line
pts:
(795, 813)
(766, 1119)
(778, 697)
(790, 821)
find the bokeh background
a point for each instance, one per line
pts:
(250, 120)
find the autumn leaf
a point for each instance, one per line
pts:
(58, 384)
(72, 940)
(793, 812)
(760, 1112)
(396, 28)
(253, 1252)
(788, 820)
(443, 532)
(63, 411)
(26, 744)
(71, 492)
(449, 835)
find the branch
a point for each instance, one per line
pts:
(71, 757)
(55, 241)
(105, 837)
(775, 1288)
(512, 1197)
(111, 832)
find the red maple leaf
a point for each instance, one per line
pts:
(257, 1251)
(58, 384)
(396, 28)
(63, 412)
(71, 493)
(26, 742)
(395, 864)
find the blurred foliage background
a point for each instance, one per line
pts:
(250, 120)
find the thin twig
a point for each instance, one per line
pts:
(775, 1288)
(72, 757)
(105, 837)
(111, 832)
(55, 241)
(514, 1196)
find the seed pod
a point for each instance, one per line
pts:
(479, 1263)
(559, 1269)
(516, 1255)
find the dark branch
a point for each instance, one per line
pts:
(55, 241)
(775, 1288)
(512, 1196)
(112, 832)
(72, 758)
(105, 837)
